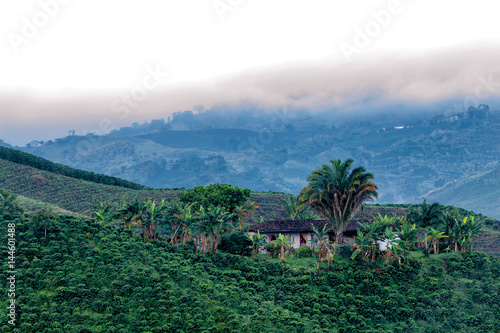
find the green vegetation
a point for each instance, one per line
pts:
(297, 210)
(337, 194)
(26, 159)
(222, 195)
(87, 277)
(74, 195)
(149, 264)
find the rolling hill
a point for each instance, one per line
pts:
(409, 153)
(480, 193)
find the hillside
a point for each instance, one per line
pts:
(68, 193)
(22, 158)
(481, 192)
(411, 153)
(84, 277)
(78, 196)
(42, 189)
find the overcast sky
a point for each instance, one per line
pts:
(88, 64)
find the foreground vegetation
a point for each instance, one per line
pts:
(81, 276)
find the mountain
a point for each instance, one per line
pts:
(480, 192)
(411, 152)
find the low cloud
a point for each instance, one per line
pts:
(383, 78)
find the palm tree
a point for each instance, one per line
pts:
(408, 233)
(244, 212)
(392, 240)
(257, 241)
(296, 209)
(321, 238)
(174, 212)
(103, 212)
(364, 244)
(426, 216)
(435, 235)
(337, 194)
(472, 228)
(185, 219)
(281, 241)
(128, 212)
(150, 217)
(455, 236)
(211, 223)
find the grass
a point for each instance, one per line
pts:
(31, 205)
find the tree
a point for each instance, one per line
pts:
(281, 241)
(435, 235)
(150, 217)
(364, 244)
(337, 194)
(244, 212)
(257, 240)
(185, 219)
(408, 233)
(129, 211)
(392, 240)
(321, 238)
(175, 211)
(42, 220)
(211, 223)
(425, 216)
(8, 204)
(222, 195)
(472, 229)
(296, 209)
(103, 212)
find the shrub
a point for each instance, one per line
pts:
(273, 250)
(305, 252)
(237, 243)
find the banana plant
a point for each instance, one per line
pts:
(281, 241)
(257, 241)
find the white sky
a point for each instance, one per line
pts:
(101, 49)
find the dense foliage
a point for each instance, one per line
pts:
(81, 276)
(223, 195)
(33, 161)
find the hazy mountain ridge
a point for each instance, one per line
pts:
(409, 153)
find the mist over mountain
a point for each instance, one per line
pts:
(412, 151)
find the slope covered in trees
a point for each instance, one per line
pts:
(19, 157)
(75, 275)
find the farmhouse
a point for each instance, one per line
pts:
(300, 232)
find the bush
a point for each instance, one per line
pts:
(305, 252)
(237, 243)
(345, 251)
(273, 250)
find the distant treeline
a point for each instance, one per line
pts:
(23, 158)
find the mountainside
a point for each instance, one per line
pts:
(480, 193)
(44, 189)
(39, 189)
(410, 153)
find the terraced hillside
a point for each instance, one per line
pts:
(65, 195)
(75, 195)
(71, 194)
